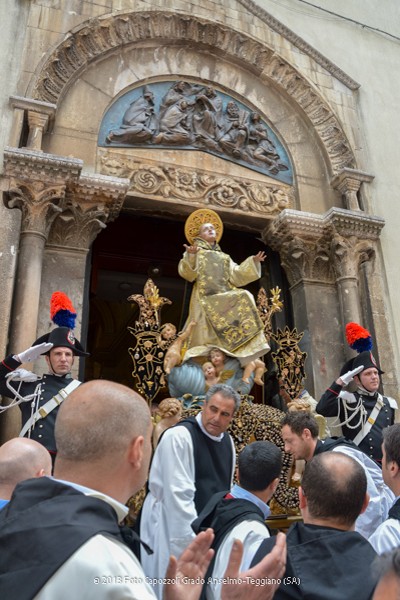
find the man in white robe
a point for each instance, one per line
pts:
(387, 536)
(193, 460)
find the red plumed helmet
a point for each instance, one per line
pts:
(62, 312)
(358, 338)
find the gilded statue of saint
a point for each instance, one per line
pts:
(226, 317)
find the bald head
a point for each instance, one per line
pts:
(20, 459)
(98, 420)
(344, 486)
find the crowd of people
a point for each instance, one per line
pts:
(86, 448)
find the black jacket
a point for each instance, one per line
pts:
(330, 403)
(324, 563)
(44, 523)
(50, 385)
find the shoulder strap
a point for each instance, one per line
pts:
(50, 405)
(370, 421)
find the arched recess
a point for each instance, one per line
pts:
(93, 40)
(157, 45)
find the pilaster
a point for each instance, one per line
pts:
(322, 255)
(348, 183)
(36, 186)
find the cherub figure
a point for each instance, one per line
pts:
(258, 367)
(170, 411)
(173, 355)
(210, 374)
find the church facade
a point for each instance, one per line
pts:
(281, 117)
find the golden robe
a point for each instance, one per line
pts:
(226, 317)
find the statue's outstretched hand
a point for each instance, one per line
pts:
(191, 249)
(259, 257)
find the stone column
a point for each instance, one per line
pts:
(322, 255)
(40, 119)
(303, 243)
(36, 186)
(91, 202)
(353, 242)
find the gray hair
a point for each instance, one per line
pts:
(226, 391)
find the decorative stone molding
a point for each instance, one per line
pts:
(30, 165)
(348, 223)
(298, 42)
(323, 248)
(325, 122)
(91, 202)
(36, 185)
(162, 181)
(100, 35)
(348, 183)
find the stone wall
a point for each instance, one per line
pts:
(333, 110)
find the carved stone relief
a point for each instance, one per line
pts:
(101, 35)
(193, 116)
(90, 203)
(37, 184)
(164, 181)
(323, 248)
(56, 201)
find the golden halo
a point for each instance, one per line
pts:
(198, 218)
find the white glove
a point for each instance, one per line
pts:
(34, 352)
(22, 375)
(347, 377)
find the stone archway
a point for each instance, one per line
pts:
(143, 33)
(94, 39)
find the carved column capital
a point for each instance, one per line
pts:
(353, 240)
(38, 202)
(92, 201)
(348, 182)
(302, 241)
(36, 185)
(325, 247)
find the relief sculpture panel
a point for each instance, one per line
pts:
(192, 116)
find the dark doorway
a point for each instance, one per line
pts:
(124, 256)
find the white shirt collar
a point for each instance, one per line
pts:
(215, 438)
(119, 508)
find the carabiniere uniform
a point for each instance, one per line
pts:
(39, 400)
(363, 415)
(43, 390)
(372, 442)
